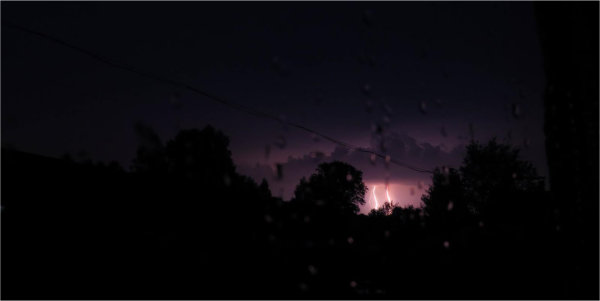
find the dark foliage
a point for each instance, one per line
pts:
(336, 187)
(185, 225)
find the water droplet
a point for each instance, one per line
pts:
(373, 158)
(367, 18)
(450, 206)
(268, 219)
(369, 106)
(423, 107)
(312, 269)
(175, 100)
(445, 170)
(353, 284)
(443, 132)
(319, 99)
(516, 110)
(350, 240)
(446, 244)
(371, 61)
(348, 177)
(280, 142)
(386, 120)
(317, 156)
(471, 130)
(366, 89)
(267, 151)
(279, 168)
(388, 109)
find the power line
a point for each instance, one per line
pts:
(208, 95)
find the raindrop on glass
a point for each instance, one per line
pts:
(373, 158)
(268, 219)
(446, 244)
(445, 170)
(386, 120)
(353, 284)
(280, 142)
(348, 177)
(367, 18)
(267, 151)
(423, 107)
(312, 269)
(516, 110)
(471, 130)
(175, 100)
(388, 109)
(369, 106)
(279, 168)
(366, 89)
(350, 240)
(450, 206)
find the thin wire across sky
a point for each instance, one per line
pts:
(210, 96)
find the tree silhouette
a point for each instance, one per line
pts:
(445, 200)
(150, 157)
(201, 156)
(386, 209)
(492, 183)
(495, 179)
(336, 187)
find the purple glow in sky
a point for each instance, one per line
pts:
(344, 69)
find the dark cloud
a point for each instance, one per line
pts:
(401, 147)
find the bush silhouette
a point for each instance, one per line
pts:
(336, 187)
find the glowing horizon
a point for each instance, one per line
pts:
(399, 193)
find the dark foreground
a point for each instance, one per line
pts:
(84, 231)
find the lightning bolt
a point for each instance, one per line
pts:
(387, 193)
(375, 197)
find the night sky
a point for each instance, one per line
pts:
(426, 72)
